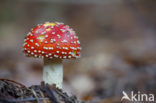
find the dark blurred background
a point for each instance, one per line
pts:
(118, 38)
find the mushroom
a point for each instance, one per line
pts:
(52, 42)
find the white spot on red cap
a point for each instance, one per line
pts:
(32, 47)
(39, 51)
(37, 44)
(53, 33)
(46, 36)
(31, 40)
(64, 41)
(35, 51)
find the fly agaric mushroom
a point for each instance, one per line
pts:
(52, 42)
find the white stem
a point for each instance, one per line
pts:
(53, 72)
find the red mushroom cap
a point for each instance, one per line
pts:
(52, 40)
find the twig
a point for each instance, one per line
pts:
(3, 100)
(13, 82)
(34, 93)
(42, 95)
(52, 94)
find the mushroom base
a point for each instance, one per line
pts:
(53, 72)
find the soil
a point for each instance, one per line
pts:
(14, 92)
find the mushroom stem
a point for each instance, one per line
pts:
(53, 72)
